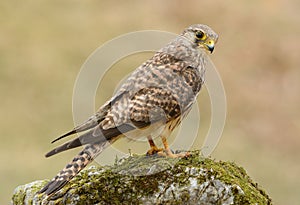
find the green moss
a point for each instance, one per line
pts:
(140, 179)
(27, 192)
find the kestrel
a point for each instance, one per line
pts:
(156, 96)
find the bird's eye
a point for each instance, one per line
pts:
(200, 35)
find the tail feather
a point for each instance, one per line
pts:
(74, 167)
(97, 140)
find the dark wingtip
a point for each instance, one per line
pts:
(68, 145)
(49, 154)
(65, 135)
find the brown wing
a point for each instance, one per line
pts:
(162, 83)
(152, 104)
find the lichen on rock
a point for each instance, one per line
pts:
(140, 179)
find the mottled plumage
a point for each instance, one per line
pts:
(157, 95)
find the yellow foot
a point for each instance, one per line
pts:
(154, 150)
(168, 153)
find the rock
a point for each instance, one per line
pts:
(153, 180)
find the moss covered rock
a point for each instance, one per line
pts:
(153, 180)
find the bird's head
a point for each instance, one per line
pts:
(201, 36)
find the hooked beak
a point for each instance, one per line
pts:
(210, 45)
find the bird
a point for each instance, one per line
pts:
(156, 96)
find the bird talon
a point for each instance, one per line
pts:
(154, 150)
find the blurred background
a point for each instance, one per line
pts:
(44, 44)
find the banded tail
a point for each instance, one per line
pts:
(97, 140)
(74, 167)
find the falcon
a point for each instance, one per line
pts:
(151, 102)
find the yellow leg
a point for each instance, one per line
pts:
(168, 153)
(153, 148)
